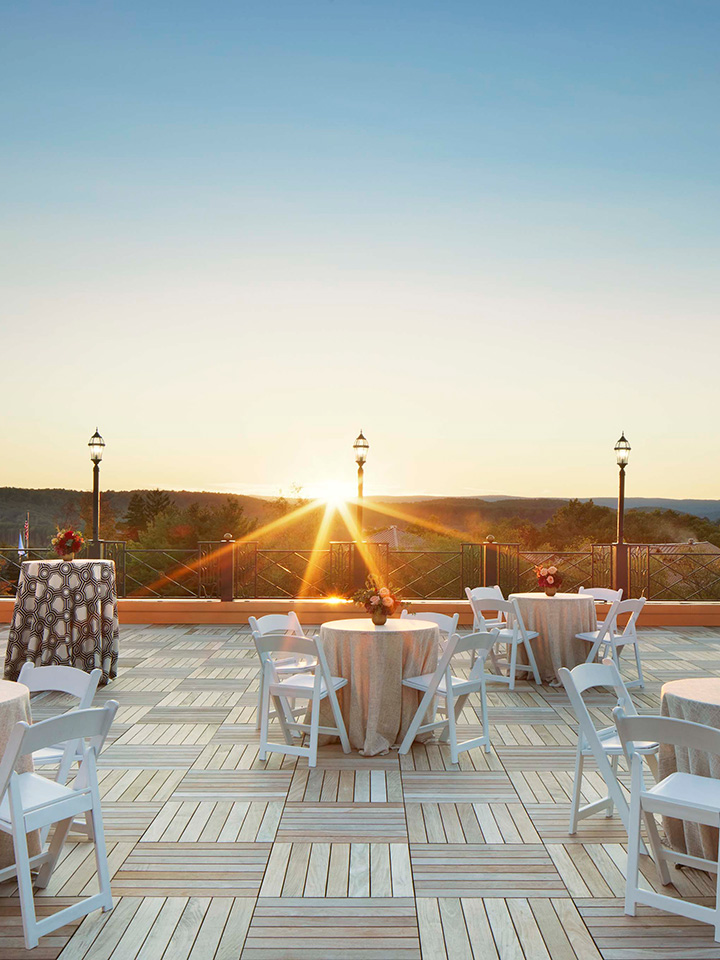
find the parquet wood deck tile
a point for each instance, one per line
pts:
(484, 870)
(333, 929)
(343, 823)
(193, 869)
(216, 855)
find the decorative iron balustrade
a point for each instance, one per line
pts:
(670, 572)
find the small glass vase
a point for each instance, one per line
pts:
(379, 617)
(550, 591)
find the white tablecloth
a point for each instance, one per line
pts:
(14, 706)
(557, 619)
(376, 707)
(698, 700)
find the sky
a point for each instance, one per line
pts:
(236, 233)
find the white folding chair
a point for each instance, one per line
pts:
(278, 623)
(604, 744)
(602, 595)
(614, 640)
(30, 802)
(686, 796)
(601, 636)
(75, 683)
(476, 595)
(447, 625)
(454, 690)
(314, 687)
(511, 631)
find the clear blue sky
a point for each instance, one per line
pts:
(486, 233)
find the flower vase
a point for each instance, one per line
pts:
(67, 556)
(379, 617)
(550, 591)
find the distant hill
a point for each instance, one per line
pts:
(50, 508)
(470, 515)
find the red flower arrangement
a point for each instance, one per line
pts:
(67, 541)
(548, 579)
(378, 601)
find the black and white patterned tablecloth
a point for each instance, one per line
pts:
(65, 613)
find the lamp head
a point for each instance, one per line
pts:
(361, 447)
(622, 450)
(96, 445)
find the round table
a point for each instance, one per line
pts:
(377, 709)
(14, 706)
(557, 619)
(696, 699)
(65, 613)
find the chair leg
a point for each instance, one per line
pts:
(657, 850)
(531, 660)
(577, 787)
(314, 724)
(593, 652)
(417, 721)
(25, 887)
(513, 661)
(631, 883)
(264, 716)
(614, 765)
(484, 713)
(261, 691)
(639, 664)
(58, 842)
(339, 721)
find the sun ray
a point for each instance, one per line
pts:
(356, 535)
(256, 534)
(330, 510)
(396, 514)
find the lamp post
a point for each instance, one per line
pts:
(96, 445)
(361, 447)
(622, 452)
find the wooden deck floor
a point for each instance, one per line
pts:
(216, 856)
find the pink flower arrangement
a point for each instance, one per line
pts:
(375, 598)
(548, 577)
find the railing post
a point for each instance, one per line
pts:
(620, 568)
(490, 562)
(226, 564)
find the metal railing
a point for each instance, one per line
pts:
(671, 572)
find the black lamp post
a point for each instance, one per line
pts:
(361, 447)
(622, 451)
(96, 445)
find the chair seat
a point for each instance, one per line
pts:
(686, 789)
(505, 635)
(303, 684)
(423, 682)
(35, 791)
(611, 744)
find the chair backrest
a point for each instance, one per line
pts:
(675, 733)
(602, 593)
(634, 608)
(489, 602)
(445, 623)
(280, 644)
(481, 643)
(69, 728)
(59, 679)
(484, 593)
(588, 676)
(274, 622)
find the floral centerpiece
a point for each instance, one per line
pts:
(67, 543)
(379, 601)
(548, 579)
